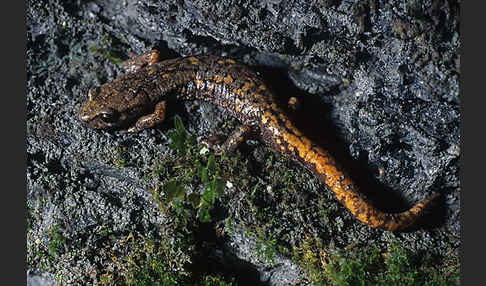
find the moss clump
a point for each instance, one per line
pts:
(109, 49)
(272, 194)
(191, 167)
(56, 240)
(120, 157)
(161, 262)
(217, 281)
(367, 266)
(149, 262)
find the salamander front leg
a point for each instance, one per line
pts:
(136, 62)
(152, 119)
(240, 135)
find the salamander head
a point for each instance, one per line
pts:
(107, 107)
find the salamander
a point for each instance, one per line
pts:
(139, 98)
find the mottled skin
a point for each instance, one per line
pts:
(138, 100)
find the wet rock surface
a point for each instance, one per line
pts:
(377, 82)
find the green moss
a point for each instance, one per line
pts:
(266, 248)
(150, 263)
(402, 268)
(28, 217)
(356, 269)
(367, 266)
(193, 166)
(42, 260)
(120, 157)
(108, 49)
(162, 262)
(181, 141)
(310, 256)
(44, 257)
(267, 196)
(216, 281)
(56, 240)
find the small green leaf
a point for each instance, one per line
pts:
(211, 164)
(191, 141)
(179, 125)
(208, 197)
(174, 191)
(180, 138)
(204, 150)
(204, 214)
(218, 185)
(204, 175)
(194, 199)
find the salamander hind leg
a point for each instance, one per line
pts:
(136, 62)
(152, 119)
(239, 135)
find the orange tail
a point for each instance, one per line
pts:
(322, 163)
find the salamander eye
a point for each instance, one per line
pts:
(109, 116)
(93, 92)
